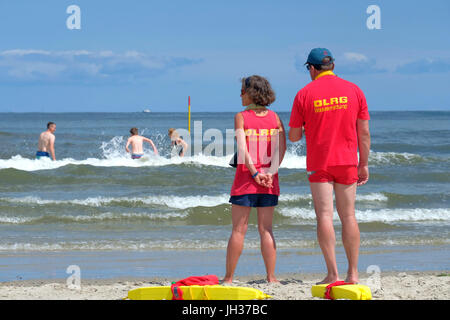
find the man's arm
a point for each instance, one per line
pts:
(282, 140)
(296, 121)
(152, 144)
(295, 134)
(128, 143)
(362, 127)
(52, 147)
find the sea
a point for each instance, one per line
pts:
(163, 216)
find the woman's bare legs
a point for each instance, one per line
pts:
(239, 218)
(268, 246)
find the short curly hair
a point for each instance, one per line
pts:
(259, 90)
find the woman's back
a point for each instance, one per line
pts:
(259, 131)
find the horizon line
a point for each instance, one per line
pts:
(61, 112)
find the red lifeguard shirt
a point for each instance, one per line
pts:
(258, 132)
(328, 108)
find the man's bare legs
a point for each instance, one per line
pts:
(345, 205)
(268, 246)
(322, 194)
(239, 218)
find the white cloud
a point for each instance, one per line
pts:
(428, 65)
(357, 63)
(354, 56)
(83, 66)
(23, 52)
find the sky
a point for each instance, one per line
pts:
(133, 55)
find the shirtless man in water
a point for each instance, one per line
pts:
(136, 141)
(46, 144)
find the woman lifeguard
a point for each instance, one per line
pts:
(261, 145)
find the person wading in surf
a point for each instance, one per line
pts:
(137, 141)
(261, 142)
(179, 146)
(334, 115)
(46, 143)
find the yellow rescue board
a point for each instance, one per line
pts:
(348, 291)
(211, 292)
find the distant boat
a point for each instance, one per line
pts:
(146, 110)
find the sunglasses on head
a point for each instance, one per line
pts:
(246, 84)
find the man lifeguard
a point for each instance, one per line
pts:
(333, 113)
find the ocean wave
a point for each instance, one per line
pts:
(292, 160)
(200, 244)
(359, 197)
(170, 201)
(102, 217)
(374, 219)
(396, 158)
(175, 202)
(379, 215)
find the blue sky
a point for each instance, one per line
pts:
(131, 55)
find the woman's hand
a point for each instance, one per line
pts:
(264, 180)
(269, 180)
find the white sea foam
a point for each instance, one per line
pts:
(15, 220)
(381, 215)
(114, 155)
(378, 197)
(25, 164)
(198, 244)
(382, 158)
(119, 159)
(175, 202)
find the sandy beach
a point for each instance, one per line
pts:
(389, 286)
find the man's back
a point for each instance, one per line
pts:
(136, 144)
(45, 140)
(329, 108)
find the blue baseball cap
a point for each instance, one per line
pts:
(317, 54)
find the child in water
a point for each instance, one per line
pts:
(261, 142)
(179, 146)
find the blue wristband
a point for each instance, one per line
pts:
(256, 173)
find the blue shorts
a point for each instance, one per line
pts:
(136, 156)
(40, 154)
(255, 200)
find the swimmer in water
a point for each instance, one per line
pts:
(137, 141)
(179, 146)
(46, 144)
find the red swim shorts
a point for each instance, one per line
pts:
(339, 174)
